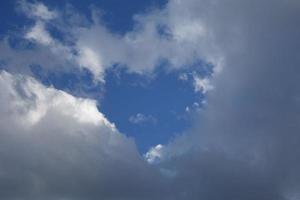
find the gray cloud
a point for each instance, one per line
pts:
(245, 142)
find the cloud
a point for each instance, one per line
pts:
(39, 34)
(154, 154)
(244, 143)
(157, 36)
(141, 118)
(56, 146)
(144, 47)
(202, 84)
(37, 10)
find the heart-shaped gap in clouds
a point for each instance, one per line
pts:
(151, 108)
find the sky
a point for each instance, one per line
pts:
(155, 99)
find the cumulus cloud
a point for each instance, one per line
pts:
(56, 146)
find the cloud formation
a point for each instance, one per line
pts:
(244, 143)
(158, 36)
(56, 146)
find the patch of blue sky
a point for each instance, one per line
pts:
(10, 20)
(164, 98)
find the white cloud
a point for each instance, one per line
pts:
(39, 34)
(59, 145)
(141, 118)
(154, 154)
(189, 31)
(89, 59)
(183, 77)
(30, 102)
(96, 48)
(202, 84)
(37, 10)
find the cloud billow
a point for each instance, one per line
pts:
(54, 146)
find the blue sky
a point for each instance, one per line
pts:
(153, 99)
(127, 95)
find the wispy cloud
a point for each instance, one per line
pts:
(140, 118)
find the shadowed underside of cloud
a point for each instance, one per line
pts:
(244, 143)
